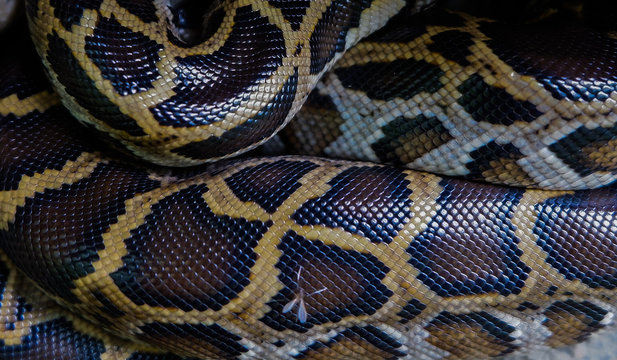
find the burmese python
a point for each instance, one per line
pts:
(295, 256)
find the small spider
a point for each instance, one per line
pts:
(299, 299)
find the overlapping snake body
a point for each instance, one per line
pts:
(179, 105)
(204, 262)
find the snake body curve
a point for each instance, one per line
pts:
(280, 257)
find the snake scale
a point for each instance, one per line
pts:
(299, 256)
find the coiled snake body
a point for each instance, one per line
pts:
(299, 256)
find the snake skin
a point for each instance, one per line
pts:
(465, 96)
(296, 257)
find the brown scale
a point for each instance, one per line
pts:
(572, 322)
(602, 156)
(340, 282)
(329, 34)
(371, 201)
(409, 139)
(35, 327)
(349, 346)
(579, 236)
(472, 239)
(559, 47)
(507, 170)
(57, 233)
(356, 342)
(315, 127)
(34, 148)
(254, 130)
(462, 335)
(324, 284)
(201, 262)
(194, 340)
(470, 336)
(269, 185)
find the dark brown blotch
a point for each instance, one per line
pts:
(352, 283)
(126, 58)
(252, 131)
(402, 79)
(494, 105)
(319, 115)
(572, 322)
(208, 87)
(293, 10)
(575, 231)
(407, 139)
(570, 59)
(371, 201)
(358, 342)
(469, 246)
(143, 9)
(37, 142)
(184, 256)
(71, 12)
(329, 34)
(588, 150)
(269, 184)
(497, 163)
(57, 234)
(78, 84)
(472, 335)
(454, 45)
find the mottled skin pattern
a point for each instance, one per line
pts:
(468, 96)
(284, 257)
(180, 105)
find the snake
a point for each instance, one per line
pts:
(447, 189)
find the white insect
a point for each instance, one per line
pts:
(299, 299)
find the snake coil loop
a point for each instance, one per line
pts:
(299, 256)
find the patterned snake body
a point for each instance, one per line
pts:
(296, 256)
